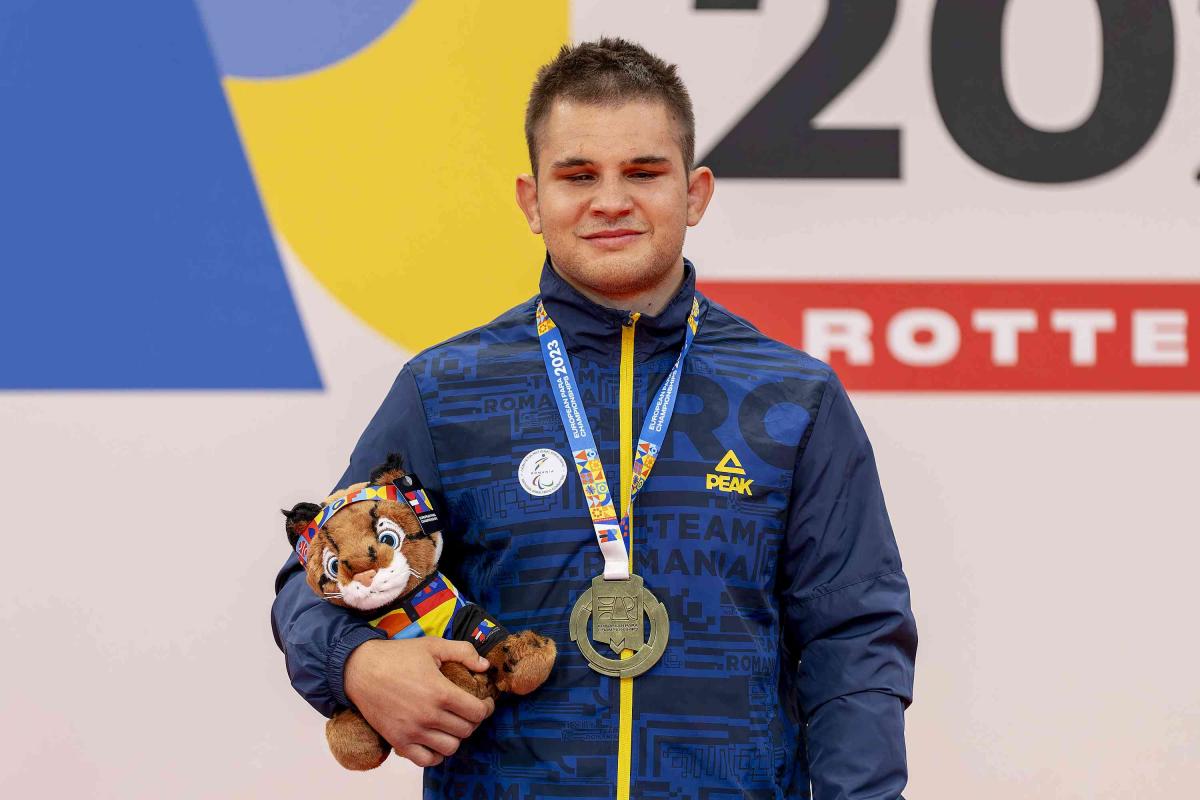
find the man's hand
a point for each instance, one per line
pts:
(398, 688)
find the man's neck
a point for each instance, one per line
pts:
(649, 302)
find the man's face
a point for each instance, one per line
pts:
(612, 197)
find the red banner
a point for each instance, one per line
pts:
(977, 336)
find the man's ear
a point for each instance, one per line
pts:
(701, 184)
(388, 471)
(298, 519)
(527, 199)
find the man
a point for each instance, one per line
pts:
(782, 652)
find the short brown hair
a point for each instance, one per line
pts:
(609, 71)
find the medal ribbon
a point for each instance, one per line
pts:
(611, 534)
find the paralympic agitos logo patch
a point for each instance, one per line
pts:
(542, 472)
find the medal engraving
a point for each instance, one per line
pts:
(617, 614)
(615, 609)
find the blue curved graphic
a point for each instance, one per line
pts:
(273, 38)
(134, 251)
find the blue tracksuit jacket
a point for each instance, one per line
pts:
(792, 642)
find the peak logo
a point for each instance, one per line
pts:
(729, 476)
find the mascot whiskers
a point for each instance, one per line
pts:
(374, 548)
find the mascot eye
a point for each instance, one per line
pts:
(389, 533)
(331, 565)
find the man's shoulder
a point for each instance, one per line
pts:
(729, 334)
(511, 329)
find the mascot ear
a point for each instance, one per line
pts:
(388, 471)
(298, 519)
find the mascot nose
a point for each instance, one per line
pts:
(365, 577)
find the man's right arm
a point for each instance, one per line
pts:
(323, 644)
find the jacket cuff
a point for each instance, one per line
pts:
(335, 662)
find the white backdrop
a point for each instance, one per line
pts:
(1049, 538)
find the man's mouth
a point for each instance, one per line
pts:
(612, 239)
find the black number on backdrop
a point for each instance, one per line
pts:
(776, 138)
(1139, 65)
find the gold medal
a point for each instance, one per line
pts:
(615, 609)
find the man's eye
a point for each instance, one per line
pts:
(641, 175)
(579, 178)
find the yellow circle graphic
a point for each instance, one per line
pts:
(391, 173)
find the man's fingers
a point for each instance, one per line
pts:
(454, 725)
(462, 652)
(439, 742)
(461, 704)
(419, 755)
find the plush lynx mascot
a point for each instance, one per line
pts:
(374, 547)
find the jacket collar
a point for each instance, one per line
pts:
(593, 332)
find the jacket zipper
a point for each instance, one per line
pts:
(625, 394)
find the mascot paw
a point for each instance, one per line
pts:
(354, 743)
(474, 683)
(522, 662)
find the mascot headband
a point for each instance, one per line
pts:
(407, 487)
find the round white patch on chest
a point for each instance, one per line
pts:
(542, 472)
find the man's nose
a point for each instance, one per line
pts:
(612, 199)
(364, 577)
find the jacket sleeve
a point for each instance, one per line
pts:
(846, 612)
(316, 637)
